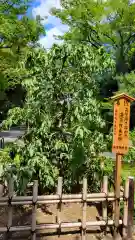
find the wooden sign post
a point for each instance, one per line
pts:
(120, 145)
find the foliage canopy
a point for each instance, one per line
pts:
(18, 36)
(62, 111)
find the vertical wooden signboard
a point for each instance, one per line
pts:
(121, 126)
(120, 144)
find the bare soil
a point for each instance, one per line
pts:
(47, 214)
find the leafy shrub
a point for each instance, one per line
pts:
(62, 111)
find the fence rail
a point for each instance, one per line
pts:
(126, 197)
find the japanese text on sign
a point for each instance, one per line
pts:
(121, 126)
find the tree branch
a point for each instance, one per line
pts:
(5, 47)
(129, 38)
(106, 35)
(94, 42)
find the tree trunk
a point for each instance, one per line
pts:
(1, 190)
(121, 66)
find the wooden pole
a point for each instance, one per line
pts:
(53, 201)
(130, 209)
(105, 190)
(102, 168)
(59, 192)
(117, 195)
(56, 226)
(65, 197)
(10, 208)
(34, 209)
(84, 209)
(125, 217)
(113, 203)
(1, 190)
(104, 204)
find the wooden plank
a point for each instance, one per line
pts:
(34, 210)
(84, 208)
(130, 209)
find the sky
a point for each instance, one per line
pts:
(53, 25)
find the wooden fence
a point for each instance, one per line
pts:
(105, 197)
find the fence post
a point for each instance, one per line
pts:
(10, 208)
(113, 203)
(125, 216)
(34, 209)
(1, 189)
(104, 204)
(2, 143)
(117, 196)
(59, 192)
(130, 209)
(84, 196)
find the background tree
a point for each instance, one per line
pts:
(100, 23)
(19, 34)
(105, 23)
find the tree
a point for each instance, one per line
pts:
(18, 36)
(105, 23)
(110, 23)
(65, 134)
